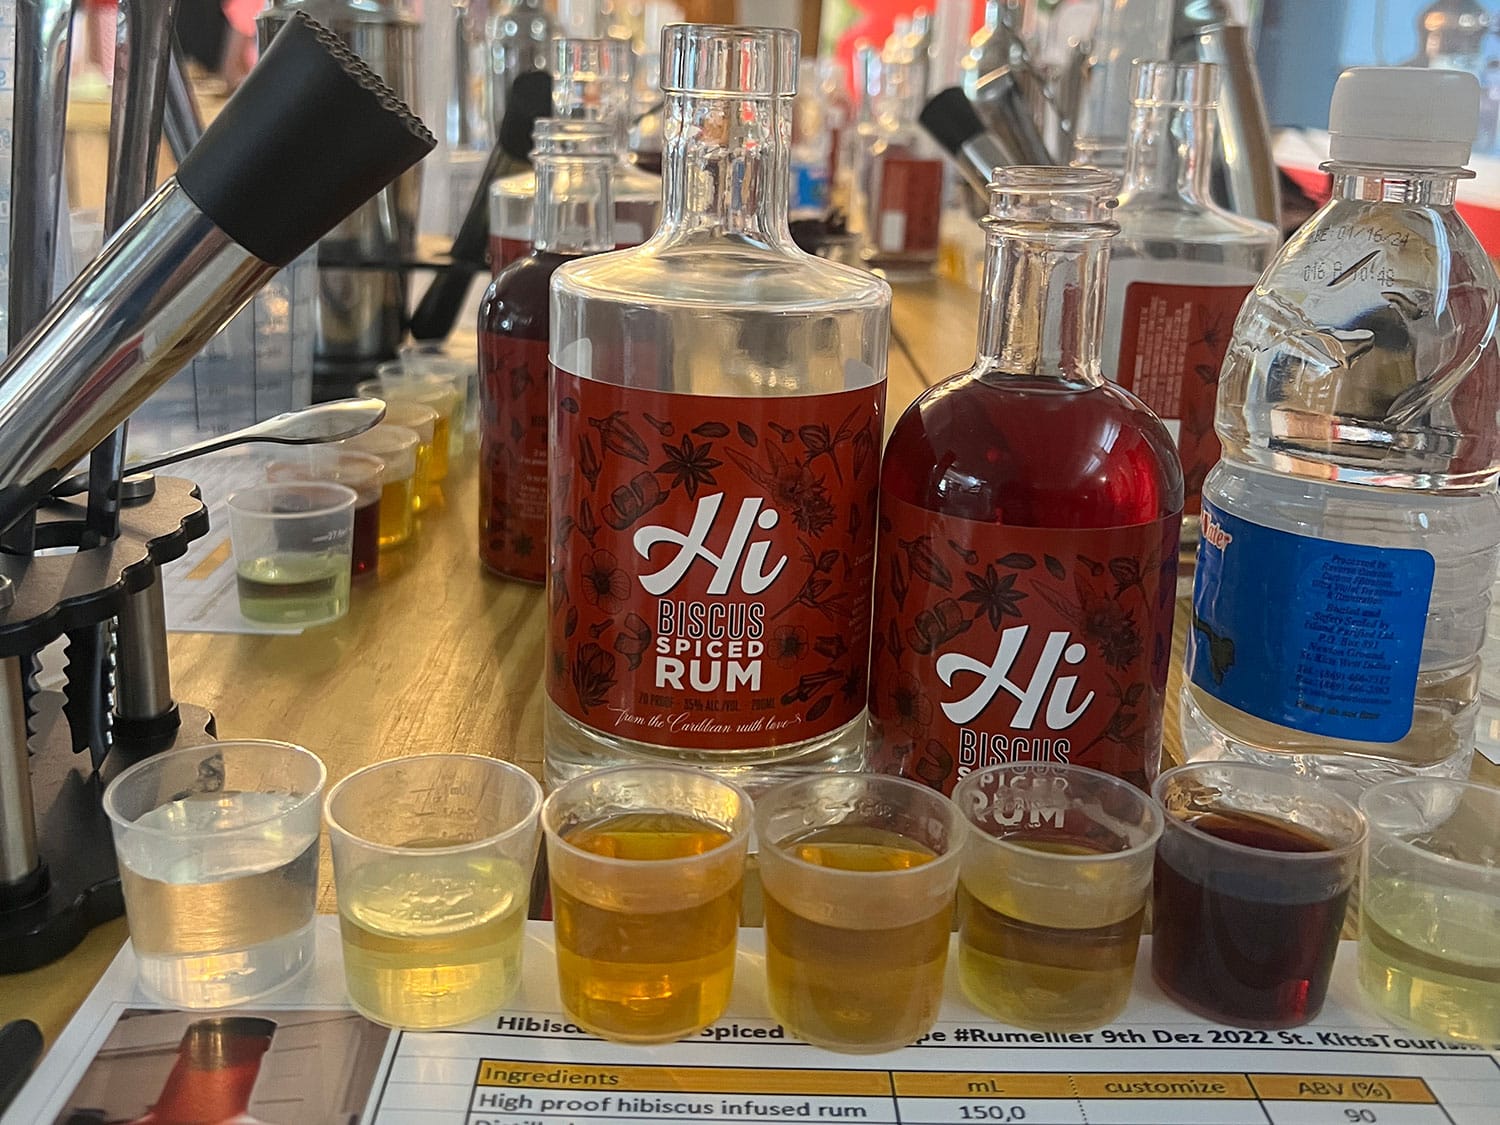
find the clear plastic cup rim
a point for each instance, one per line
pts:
(1157, 814)
(736, 839)
(1333, 852)
(425, 390)
(1464, 785)
(111, 792)
(420, 365)
(373, 466)
(338, 497)
(533, 807)
(958, 835)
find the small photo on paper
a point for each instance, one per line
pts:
(274, 1067)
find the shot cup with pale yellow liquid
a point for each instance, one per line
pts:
(432, 862)
(1053, 892)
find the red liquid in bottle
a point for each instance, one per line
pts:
(514, 391)
(1247, 943)
(1029, 514)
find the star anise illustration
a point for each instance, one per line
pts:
(691, 465)
(996, 596)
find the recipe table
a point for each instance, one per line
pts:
(436, 655)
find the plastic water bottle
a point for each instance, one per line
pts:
(1350, 531)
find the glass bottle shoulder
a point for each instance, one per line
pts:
(1033, 452)
(516, 302)
(1153, 222)
(720, 272)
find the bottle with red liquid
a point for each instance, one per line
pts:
(1029, 515)
(574, 169)
(214, 1076)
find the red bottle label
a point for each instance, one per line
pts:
(513, 456)
(999, 644)
(1172, 344)
(711, 562)
(910, 204)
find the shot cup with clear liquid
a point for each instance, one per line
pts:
(1429, 908)
(646, 865)
(859, 872)
(1053, 891)
(432, 862)
(218, 854)
(293, 544)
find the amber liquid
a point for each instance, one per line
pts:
(854, 989)
(396, 512)
(1242, 941)
(1055, 961)
(513, 412)
(646, 975)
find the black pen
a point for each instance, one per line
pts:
(20, 1047)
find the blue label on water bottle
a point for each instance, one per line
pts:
(1320, 636)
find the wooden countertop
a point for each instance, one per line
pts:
(436, 655)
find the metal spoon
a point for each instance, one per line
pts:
(328, 421)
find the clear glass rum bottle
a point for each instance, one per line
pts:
(716, 422)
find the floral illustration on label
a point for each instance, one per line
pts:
(711, 562)
(999, 644)
(513, 456)
(1172, 345)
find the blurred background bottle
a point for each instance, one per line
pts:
(1181, 265)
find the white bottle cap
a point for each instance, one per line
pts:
(1404, 117)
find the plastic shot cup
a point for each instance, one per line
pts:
(1252, 881)
(434, 356)
(858, 873)
(432, 862)
(646, 865)
(1429, 953)
(397, 447)
(422, 421)
(293, 548)
(1054, 887)
(218, 851)
(427, 383)
(363, 472)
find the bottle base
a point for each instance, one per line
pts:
(1346, 774)
(571, 750)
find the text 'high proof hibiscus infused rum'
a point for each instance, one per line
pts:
(715, 440)
(1029, 513)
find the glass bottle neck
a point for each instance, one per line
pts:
(725, 168)
(1170, 152)
(1042, 314)
(574, 205)
(1423, 187)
